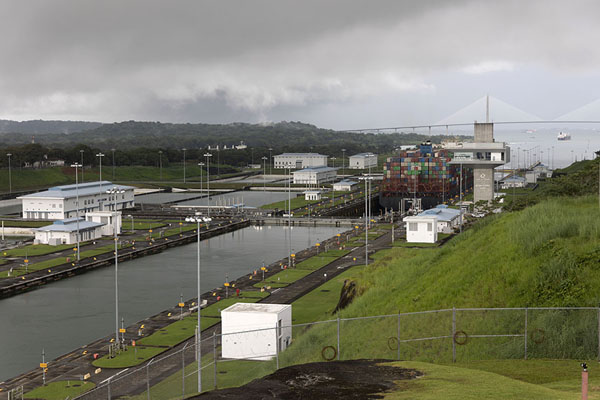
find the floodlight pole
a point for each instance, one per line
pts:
(9, 174)
(100, 155)
(184, 149)
(208, 155)
(77, 202)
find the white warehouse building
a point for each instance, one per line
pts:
(269, 326)
(299, 160)
(65, 232)
(314, 176)
(363, 161)
(59, 202)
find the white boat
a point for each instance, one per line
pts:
(564, 136)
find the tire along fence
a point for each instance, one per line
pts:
(443, 336)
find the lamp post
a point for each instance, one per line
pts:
(366, 179)
(113, 162)
(201, 164)
(184, 149)
(81, 152)
(198, 219)
(343, 161)
(115, 191)
(264, 174)
(9, 174)
(208, 156)
(270, 161)
(100, 155)
(77, 202)
(160, 163)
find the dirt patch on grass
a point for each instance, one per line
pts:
(356, 379)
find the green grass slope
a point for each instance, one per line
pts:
(546, 255)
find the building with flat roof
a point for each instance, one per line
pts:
(314, 176)
(362, 161)
(345, 185)
(299, 160)
(421, 229)
(513, 182)
(65, 232)
(60, 202)
(447, 218)
(312, 195)
(255, 331)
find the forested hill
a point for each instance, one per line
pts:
(41, 127)
(284, 136)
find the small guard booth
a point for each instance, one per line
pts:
(255, 331)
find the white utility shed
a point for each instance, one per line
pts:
(312, 195)
(421, 229)
(266, 323)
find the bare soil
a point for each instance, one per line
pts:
(355, 379)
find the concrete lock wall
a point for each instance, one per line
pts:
(483, 183)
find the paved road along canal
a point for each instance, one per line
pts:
(64, 315)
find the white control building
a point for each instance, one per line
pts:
(314, 176)
(299, 160)
(59, 202)
(363, 161)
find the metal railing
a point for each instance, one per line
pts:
(446, 335)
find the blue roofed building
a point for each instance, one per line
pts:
(447, 218)
(60, 202)
(65, 231)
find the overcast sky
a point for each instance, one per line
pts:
(337, 64)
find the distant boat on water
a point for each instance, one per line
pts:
(564, 136)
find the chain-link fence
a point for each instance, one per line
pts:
(450, 335)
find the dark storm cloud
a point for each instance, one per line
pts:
(253, 60)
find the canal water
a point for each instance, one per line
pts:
(67, 314)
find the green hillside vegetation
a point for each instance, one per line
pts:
(546, 255)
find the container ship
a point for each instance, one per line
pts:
(425, 174)
(564, 136)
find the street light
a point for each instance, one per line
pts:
(113, 160)
(208, 155)
(77, 202)
(264, 174)
(201, 164)
(81, 152)
(9, 174)
(160, 163)
(343, 160)
(198, 220)
(184, 149)
(115, 191)
(100, 155)
(366, 179)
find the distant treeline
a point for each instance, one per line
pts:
(138, 143)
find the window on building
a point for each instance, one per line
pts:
(413, 226)
(429, 226)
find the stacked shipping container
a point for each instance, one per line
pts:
(425, 171)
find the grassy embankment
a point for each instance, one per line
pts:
(546, 255)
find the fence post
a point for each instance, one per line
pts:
(338, 338)
(398, 335)
(277, 346)
(148, 378)
(598, 333)
(215, 356)
(453, 334)
(183, 371)
(526, 315)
